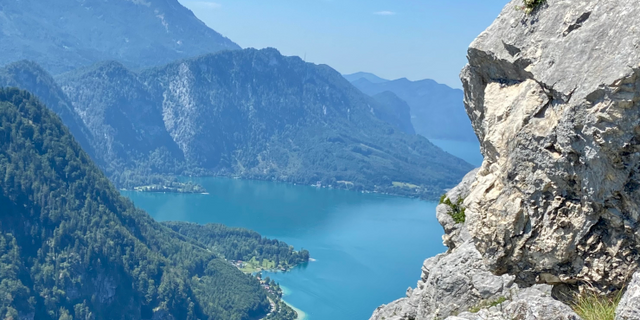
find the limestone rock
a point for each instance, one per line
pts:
(528, 304)
(452, 282)
(455, 233)
(554, 98)
(629, 307)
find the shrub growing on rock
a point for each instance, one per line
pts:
(531, 5)
(456, 210)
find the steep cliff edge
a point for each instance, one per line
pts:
(554, 98)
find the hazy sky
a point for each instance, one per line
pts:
(415, 39)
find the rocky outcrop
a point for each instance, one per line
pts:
(553, 97)
(629, 307)
(528, 304)
(453, 282)
(458, 282)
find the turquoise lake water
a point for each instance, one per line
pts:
(368, 248)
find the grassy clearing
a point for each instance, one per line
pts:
(405, 185)
(254, 265)
(590, 306)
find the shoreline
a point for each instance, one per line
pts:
(301, 314)
(409, 195)
(285, 292)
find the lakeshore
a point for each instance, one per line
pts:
(341, 229)
(301, 314)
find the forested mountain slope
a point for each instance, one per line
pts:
(241, 244)
(71, 246)
(63, 35)
(29, 76)
(256, 114)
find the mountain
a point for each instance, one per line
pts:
(255, 114)
(30, 76)
(364, 75)
(394, 111)
(72, 248)
(120, 159)
(63, 35)
(126, 121)
(437, 111)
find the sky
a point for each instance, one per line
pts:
(414, 39)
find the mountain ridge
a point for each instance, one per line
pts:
(67, 34)
(364, 75)
(253, 114)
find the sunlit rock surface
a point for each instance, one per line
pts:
(554, 98)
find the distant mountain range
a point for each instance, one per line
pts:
(245, 113)
(149, 92)
(63, 35)
(394, 111)
(437, 111)
(364, 75)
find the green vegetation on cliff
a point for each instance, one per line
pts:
(531, 5)
(456, 209)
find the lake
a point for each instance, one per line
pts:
(368, 248)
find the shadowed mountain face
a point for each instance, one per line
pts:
(72, 248)
(394, 110)
(30, 76)
(62, 35)
(437, 111)
(125, 120)
(254, 114)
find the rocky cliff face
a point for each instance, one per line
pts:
(554, 98)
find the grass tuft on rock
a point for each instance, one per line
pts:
(456, 210)
(591, 306)
(487, 304)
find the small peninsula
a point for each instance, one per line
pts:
(173, 187)
(247, 250)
